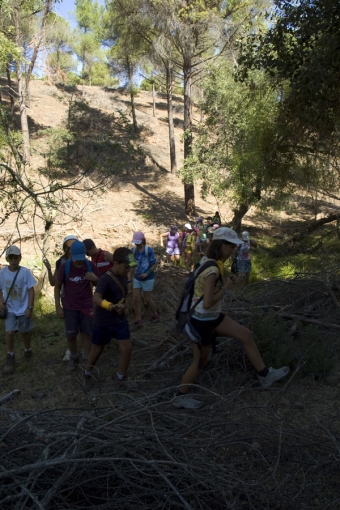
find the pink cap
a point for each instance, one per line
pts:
(138, 237)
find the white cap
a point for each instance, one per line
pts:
(13, 250)
(71, 237)
(188, 226)
(226, 234)
(245, 236)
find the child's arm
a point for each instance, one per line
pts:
(108, 257)
(161, 238)
(51, 276)
(59, 310)
(2, 303)
(29, 309)
(103, 303)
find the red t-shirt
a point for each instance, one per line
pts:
(102, 264)
(77, 290)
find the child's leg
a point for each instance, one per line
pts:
(85, 342)
(229, 327)
(10, 341)
(94, 354)
(137, 298)
(26, 337)
(72, 345)
(149, 301)
(125, 349)
(177, 260)
(200, 358)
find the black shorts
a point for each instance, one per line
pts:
(102, 335)
(206, 328)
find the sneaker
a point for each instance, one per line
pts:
(27, 354)
(88, 380)
(138, 324)
(73, 363)
(186, 402)
(9, 366)
(155, 317)
(274, 374)
(125, 384)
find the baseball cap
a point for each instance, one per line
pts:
(245, 236)
(137, 237)
(13, 250)
(78, 251)
(70, 237)
(88, 244)
(130, 259)
(226, 234)
(174, 227)
(188, 226)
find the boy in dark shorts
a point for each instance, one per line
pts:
(109, 317)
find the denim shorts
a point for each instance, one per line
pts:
(17, 323)
(102, 335)
(77, 322)
(146, 286)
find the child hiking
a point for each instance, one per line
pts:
(143, 277)
(172, 249)
(101, 258)
(109, 317)
(77, 304)
(207, 319)
(67, 242)
(16, 305)
(242, 257)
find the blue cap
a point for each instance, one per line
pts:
(78, 251)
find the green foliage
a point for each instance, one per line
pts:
(279, 347)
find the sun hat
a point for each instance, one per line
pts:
(13, 250)
(137, 237)
(70, 237)
(215, 226)
(78, 251)
(88, 244)
(226, 234)
(245, 236)
(188, 226)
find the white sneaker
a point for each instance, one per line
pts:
(186, 402)
(274, 374)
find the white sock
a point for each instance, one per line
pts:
(120, 377)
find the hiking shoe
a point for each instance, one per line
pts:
(155, 317)
(9, 366)
(274, 374)
(186, 402)
(27, 354)
(138, 324)
(73, 363)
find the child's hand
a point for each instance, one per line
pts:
(2, 306)
(143, 276)
(91, 277)
(47, 264)
(229, 282)
(60, 313)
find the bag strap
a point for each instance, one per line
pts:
(115, 279)
(11, 287)
(205, 265)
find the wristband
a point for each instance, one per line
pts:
(106, 304)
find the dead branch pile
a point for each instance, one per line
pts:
(143, 453)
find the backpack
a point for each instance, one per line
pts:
(134, 249)
(68, 266)
(184, 312)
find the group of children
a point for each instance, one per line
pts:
(98, 316)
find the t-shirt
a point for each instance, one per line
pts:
(144, 262)
(100, 261)
(243, 252)
(214, 311)
(110, 291)
(18, 300)
(77, 290)
(190, 242)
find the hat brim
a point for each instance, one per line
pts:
(137, 241)
(79, 256)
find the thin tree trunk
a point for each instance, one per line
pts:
(153, 100)
(173, 162)
(313, 225)
(189, 189)
(82, 77)
(10, 89)
(239, 213)
(132, 98)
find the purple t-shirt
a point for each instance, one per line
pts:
(172, 240)
(77, 290)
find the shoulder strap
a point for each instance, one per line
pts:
(199, 270)
(67, 269)
(88, 264)
(13, 282)
(115, 279)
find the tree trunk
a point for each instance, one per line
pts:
(82, 77)
(132, 98)
(239, 213)
(173, 162)
(10, 89)
(153, 100)
(313, 225)
(189, 190)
